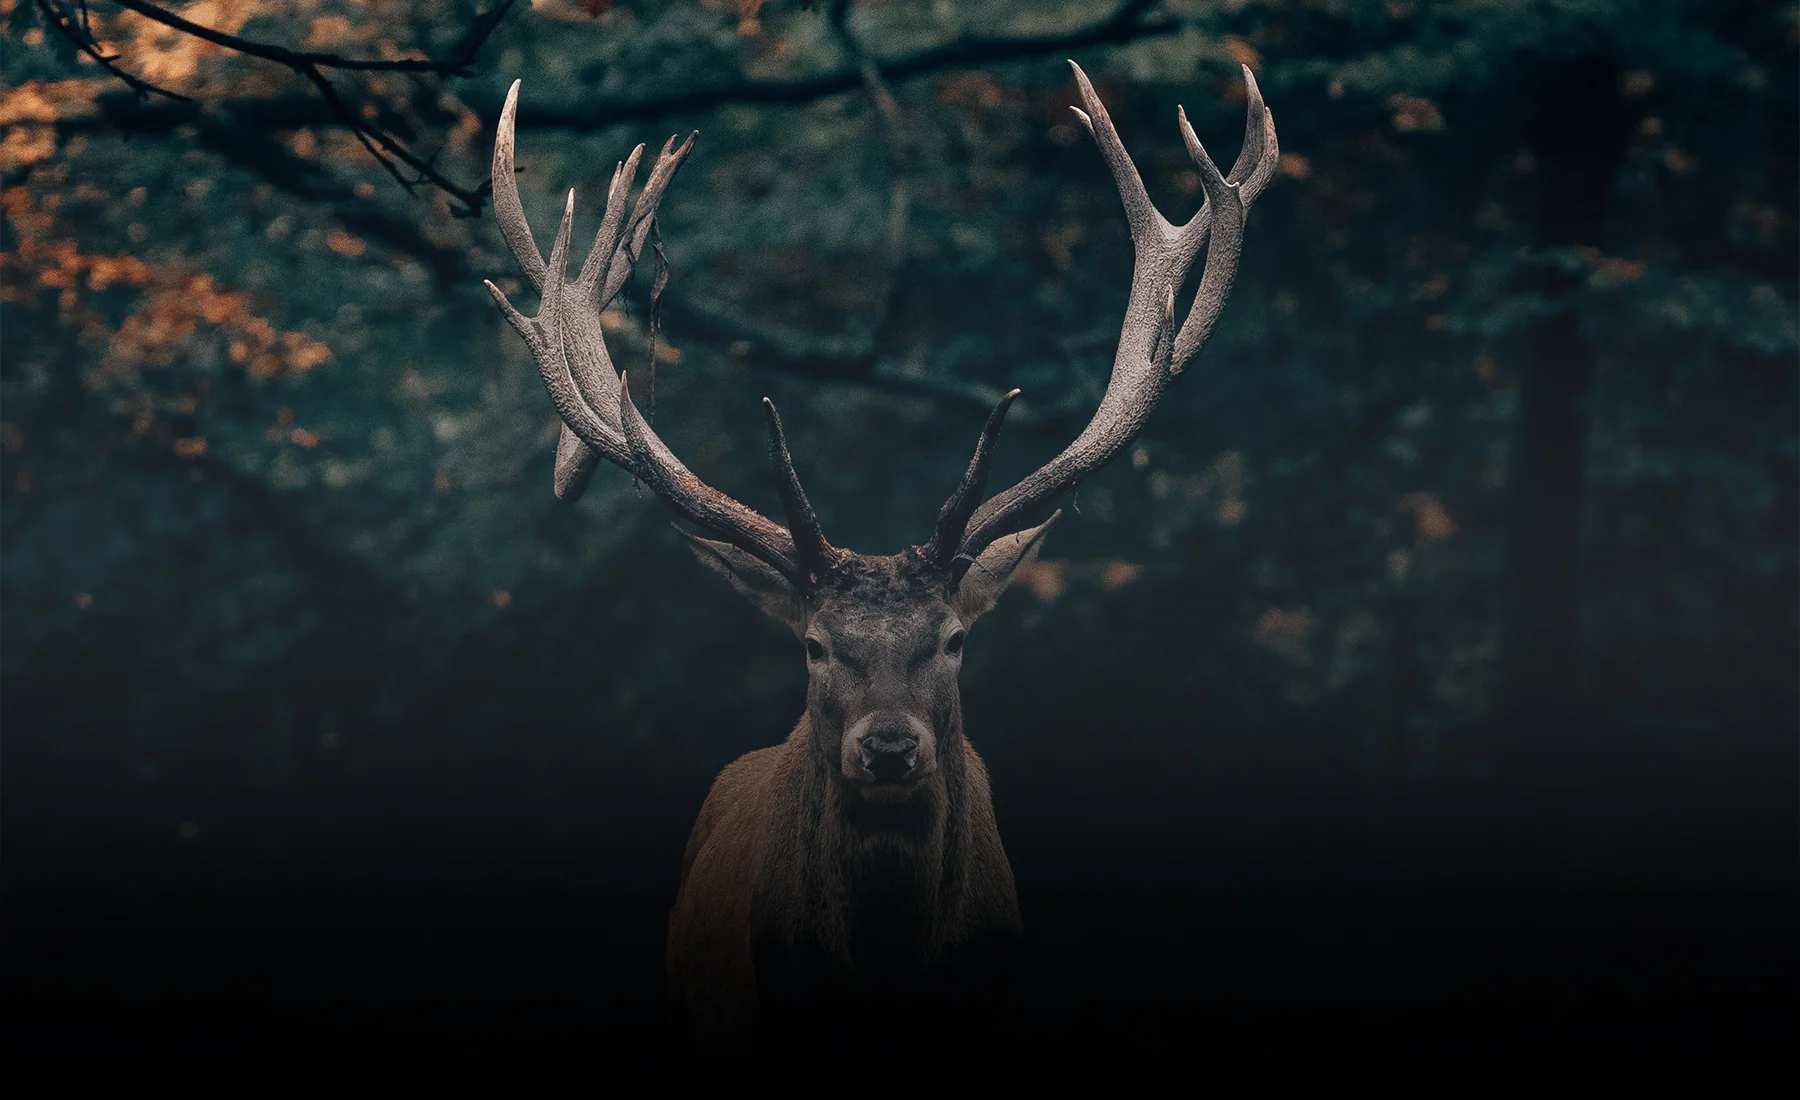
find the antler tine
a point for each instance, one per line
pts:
(1140, 213)
(700, 503)
(575, 459)
(609, 263)
(574, 465)
(1253, 169)
(955, 513)
(545, 336)
(624, 227)
(643, 214)
(588, 362)
(1149, 352)
(507, 208)
(576, 451)
(814, 554)
(1261, 149)
(606, 239)
(1226, 201)
(599, 419)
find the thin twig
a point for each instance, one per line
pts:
(1127, 23)
(586, 113)
(383, 147)
(386, 150)
(900, 164)
(300, 59)
(82, 38)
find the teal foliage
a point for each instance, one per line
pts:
(369, 541)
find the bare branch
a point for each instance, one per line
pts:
(301, 59)
(387, 151)
(586, 114)
(900, 166)
(852, 361)
(1127, 23)
(383, 147)
(83, 39)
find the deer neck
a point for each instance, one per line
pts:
(882, 879)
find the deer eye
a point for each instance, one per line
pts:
(815, 649)
(953, 645)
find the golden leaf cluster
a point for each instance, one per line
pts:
(28, 114)
(1431, 520)
(169, 304)
(1414, 114)
(1286, 632)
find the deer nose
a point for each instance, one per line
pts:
(889, 752)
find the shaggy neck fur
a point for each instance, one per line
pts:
(865, 882)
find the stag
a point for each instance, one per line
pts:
(860, 857)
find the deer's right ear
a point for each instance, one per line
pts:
(755, 580)
(988, 574)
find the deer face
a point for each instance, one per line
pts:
(882, 638)
(882, 655)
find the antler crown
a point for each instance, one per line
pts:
(600, 421)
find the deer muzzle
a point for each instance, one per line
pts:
(888, 747)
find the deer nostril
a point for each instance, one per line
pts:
(888, 756)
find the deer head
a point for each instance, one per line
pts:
(882, 635)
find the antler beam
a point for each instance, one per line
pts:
(599, 420)
(1151, 351)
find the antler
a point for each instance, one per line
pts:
(954, 516)
(1151, 351)
(599, 419)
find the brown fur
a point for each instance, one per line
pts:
(781, 865)
(815, 896)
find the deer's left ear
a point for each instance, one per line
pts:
(755, 580)
(989, 573)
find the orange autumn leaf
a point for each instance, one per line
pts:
(24, 146)
(46, 101)
(1047, 580)
(1414, 114)
(1242, 52)
(1117, 574)
(169, 304)
(1285, 632)
(1431, 520)
(165, 55)
(344, 244)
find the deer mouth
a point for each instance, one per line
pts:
(889, 780)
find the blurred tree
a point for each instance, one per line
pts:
(1484, 490)
(1524, 299)
(1579, 136)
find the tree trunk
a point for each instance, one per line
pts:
(1579, 138)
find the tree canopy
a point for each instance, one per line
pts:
(1497, 436)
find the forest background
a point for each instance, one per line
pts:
(1432, 656)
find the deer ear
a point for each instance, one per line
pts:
(755, 580)
(989, 572)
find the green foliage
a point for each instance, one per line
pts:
(198, 501)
